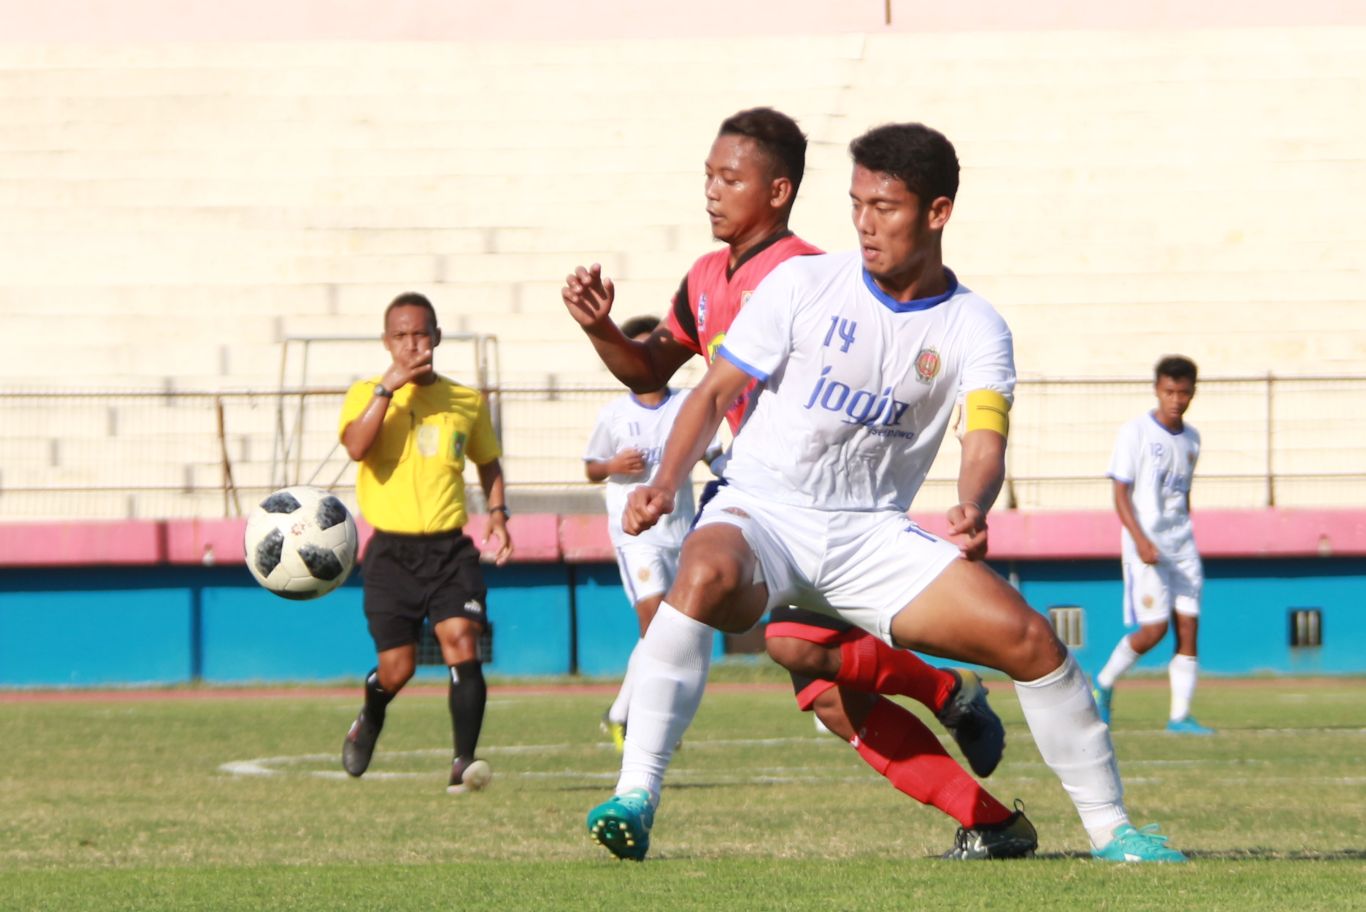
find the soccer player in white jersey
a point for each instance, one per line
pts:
(1151, 469)
(623, 451)
(862, 358)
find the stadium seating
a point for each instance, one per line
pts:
(170, 213)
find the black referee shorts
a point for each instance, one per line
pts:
(409, 578)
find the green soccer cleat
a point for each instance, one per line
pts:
(1188, 726)
(1015, 837)
(1145, 844)
(974, 725)
(1102, 696)
(622, 825)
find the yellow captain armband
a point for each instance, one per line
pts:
(987, 410)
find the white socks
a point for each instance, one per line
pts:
(670, 665)
(1182, 671)
(617, 711)
(1121, 660)
(1076, 746)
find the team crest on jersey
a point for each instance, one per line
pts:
(745, 296)
(927, 365)
(701, 311)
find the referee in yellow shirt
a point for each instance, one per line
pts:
(411, 430)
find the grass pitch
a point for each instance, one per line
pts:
(200, 801)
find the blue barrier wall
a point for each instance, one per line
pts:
(168, 625)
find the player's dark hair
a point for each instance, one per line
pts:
(777, 135)
(1177, 367)
(411, 299)
(637, 325)
(921, 158)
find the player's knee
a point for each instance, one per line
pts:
(396, 672)
(1037, 651)
(705, 582)
(1147, 636)
(830, 709)
(802, 657)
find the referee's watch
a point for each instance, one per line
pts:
(501, 509)
(383, 392)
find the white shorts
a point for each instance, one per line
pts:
(1153, 591)
(646, 570)
(862, 568)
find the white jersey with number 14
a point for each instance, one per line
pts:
(858, 388)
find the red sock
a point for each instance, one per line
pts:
(870, 665)
(899, 746)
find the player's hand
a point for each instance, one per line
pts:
(644, 507)
(1147, 551)
(968, 529)
(588, 296)
(406, 367)
(629, 461)
(496, 530)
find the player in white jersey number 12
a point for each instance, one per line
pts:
(862, 357)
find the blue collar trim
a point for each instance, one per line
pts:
(896, 306)
(668, 394)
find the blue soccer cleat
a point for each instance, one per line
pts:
(1187, 725)
(622, 825)
(1145, 844)
(1102, 696)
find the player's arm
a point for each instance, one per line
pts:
(629, 461)
(1124, 506)
(692, 433)
(362, 432)
(495, 495)
(981, 469)
(642, 366)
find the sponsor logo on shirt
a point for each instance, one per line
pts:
(701, 312)
(863, 407)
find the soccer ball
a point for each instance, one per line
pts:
(300, 542)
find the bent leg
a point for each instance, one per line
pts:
(714, 588)
(970, 613)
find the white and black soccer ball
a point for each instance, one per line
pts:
(301, 542)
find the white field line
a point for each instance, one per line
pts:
(288, 765)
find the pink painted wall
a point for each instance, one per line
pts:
(547, 538)
(550, 20)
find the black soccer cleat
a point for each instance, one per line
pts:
(359, 745)
(973, 723)
(1013, 838)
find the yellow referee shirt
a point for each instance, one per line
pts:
(412, 480)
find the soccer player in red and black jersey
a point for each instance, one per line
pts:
(753, 171)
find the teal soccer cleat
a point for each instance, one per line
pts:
(1140, 845)
(622, 825)
(1188, 726)
(1102, 696)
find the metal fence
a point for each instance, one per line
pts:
(1282, 441)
